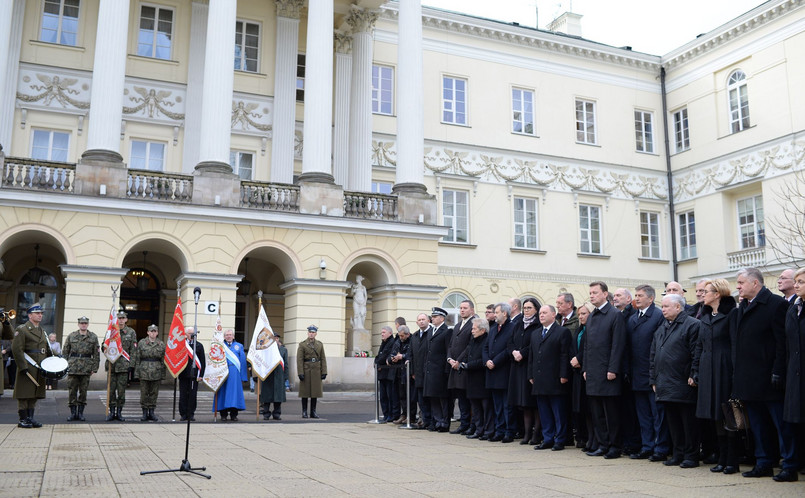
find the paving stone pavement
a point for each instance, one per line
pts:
(340, 455)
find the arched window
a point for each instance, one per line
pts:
(739, 101)
(450, 305)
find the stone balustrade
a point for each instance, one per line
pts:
(270, 196)
(33, 174)
(370, 206)
(755, 257)
(159, 186)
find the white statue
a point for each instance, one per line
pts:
(358, 303)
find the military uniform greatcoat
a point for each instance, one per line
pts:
(149, 367)
(83, 358)
(120, 368)
(32, 340)
(311, 362)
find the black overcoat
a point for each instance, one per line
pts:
(604, 347)
(519, 388)
(794, 404)
(550, 360)
(419, 348)
(436, 366)
(384, 370)
(673, 359)
(475, 369)
(641, 334)
(458, 344)
(715, 362)
(497, 350)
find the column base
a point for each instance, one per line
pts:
(102, 155)
(213, 167)
(409, 188)
(316, 177)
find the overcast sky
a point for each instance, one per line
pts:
(652, 26)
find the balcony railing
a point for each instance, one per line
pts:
(755, 257)
(33, 174)
(370, 206)
(159, 186)
(270, 196)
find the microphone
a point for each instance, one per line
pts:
(197, 293)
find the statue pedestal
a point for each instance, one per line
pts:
(359, 339)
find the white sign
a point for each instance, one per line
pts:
(211, 308)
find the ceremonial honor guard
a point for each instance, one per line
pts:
(312, 367)
(83, 357)
(120, 370)
(149, 367)
(30, 346)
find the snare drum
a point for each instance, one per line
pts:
(54, 368)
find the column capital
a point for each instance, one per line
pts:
(343, 42)
(362, 20)
(289, 8)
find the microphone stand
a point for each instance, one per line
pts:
(185, 467)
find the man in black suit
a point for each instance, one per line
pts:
(516, 313)
(604, 348)
(190, 376)
(437, 370)
(457, 380)
(498, 363)
(549, 374)
(419, 345)
(785, 284)
(757, 333)
(630, 429)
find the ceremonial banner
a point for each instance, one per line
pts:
(217, 370)
(264, 354)
(175, 348)
(112, 342)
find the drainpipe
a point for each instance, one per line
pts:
(674, 261)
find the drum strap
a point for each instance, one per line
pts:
(30, 360)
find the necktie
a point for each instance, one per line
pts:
(640, 315)
(564, 321)
(544, 332)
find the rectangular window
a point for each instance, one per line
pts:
(644, 131)
(60, 22)
(525, 223)
(681, 133)
(242, 164)
(50, 145)
(300, 77)
(247, 43)
(751, 226)
(381, 187)
(585, 122)
(650, 235)
(455, 214)
(590, 229)
(156, 32)
(687, 235)
(147, 155)
(382, 89)
(454, 100)
(522, 111)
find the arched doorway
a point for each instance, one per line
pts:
(140, 296)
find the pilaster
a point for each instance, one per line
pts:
(343, 75)
(10, 12)
(360, 104)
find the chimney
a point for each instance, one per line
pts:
(568, 23)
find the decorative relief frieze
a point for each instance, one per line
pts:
(45, 89)
(153, 104)
(245, 116)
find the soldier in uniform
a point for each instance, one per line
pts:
(120, 370)
(312, 367)
(83, 358)
(30, 346)
(149, 367)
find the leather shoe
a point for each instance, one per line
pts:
(718, 468)
(673, 462)
(558, 447)
(545, 445)
(731, 469)
(758, 472)
(473, 436)
(688, 464)
(458, 430)
(483, 438)
(786, 476)
(612, 454)
(596, 453)
(711, 458)
(495, 438)
(657, 457)
(443, 428)
(641, 455)
(507, 439)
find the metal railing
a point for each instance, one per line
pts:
(159, 186)
(370, 206)
(754, 257)
(270, 196)
(33, 174)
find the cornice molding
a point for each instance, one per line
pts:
(564, 278)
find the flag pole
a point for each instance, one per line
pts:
(259, 380)
(110, 365)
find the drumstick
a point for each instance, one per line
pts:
(32, 378)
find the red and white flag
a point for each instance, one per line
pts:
(175, 348)
(113, 346)
(264, 354)
(217, 369)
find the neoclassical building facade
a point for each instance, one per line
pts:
(152, 147)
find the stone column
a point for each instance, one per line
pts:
(11, 17)
(284, 121)
(108, 79)
(214, 287)
(216, 100)
(343, 73)
(360, 104)
(318, 139)
(195, 83)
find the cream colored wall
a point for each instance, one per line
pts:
(78, 57)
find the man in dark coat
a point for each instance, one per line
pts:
(190, 376)
(402, 354)
(30, 346)
(549, 374)
(457, 381)
(497, 359)
(794, 404)
(651, 417)
(437, 370)
(419, 346)
(566, 313)
(604, 348)
(387, 376)
(673, 373)
(272, 390)
(630, 428)
(757, 333)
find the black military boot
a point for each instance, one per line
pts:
(73, 411)
(25, 423)
(80, 414)
(119, 414)
(304, 407)
(111, 415)
(34, 423)
(145, 417)
(152, 415)
(266, 411)
(313, 413)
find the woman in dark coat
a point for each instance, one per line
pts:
(483, 416)
(520, 394)
(715, 370)
(272, 390)
(794, 404)
(581, 415)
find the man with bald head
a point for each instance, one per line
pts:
(785, 284)
(673, 287)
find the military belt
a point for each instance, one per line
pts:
(76, 355)
(312, 360)
(150, 359)
(36, 351)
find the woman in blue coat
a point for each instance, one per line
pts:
(229, 398)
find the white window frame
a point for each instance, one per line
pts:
(301, 64)
(382, 187)
(450, 105)
(450, 304)
(687, 235)
(521, 117)
(587, 234)
(738, 101)
(457, 221)
(241, 62)
(757, 224)
(644, 131)
(380, 85)
(586, 123)
(148, 158)
(235, 157)
(155, 36)
(650, 234)
(523, 207)
(681, 130)
(60, 32)
(51, 134)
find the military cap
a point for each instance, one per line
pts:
(312, 328)
(35, 308)
(437, 311)
(122, 314)
(83, 319)
(153, 327)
